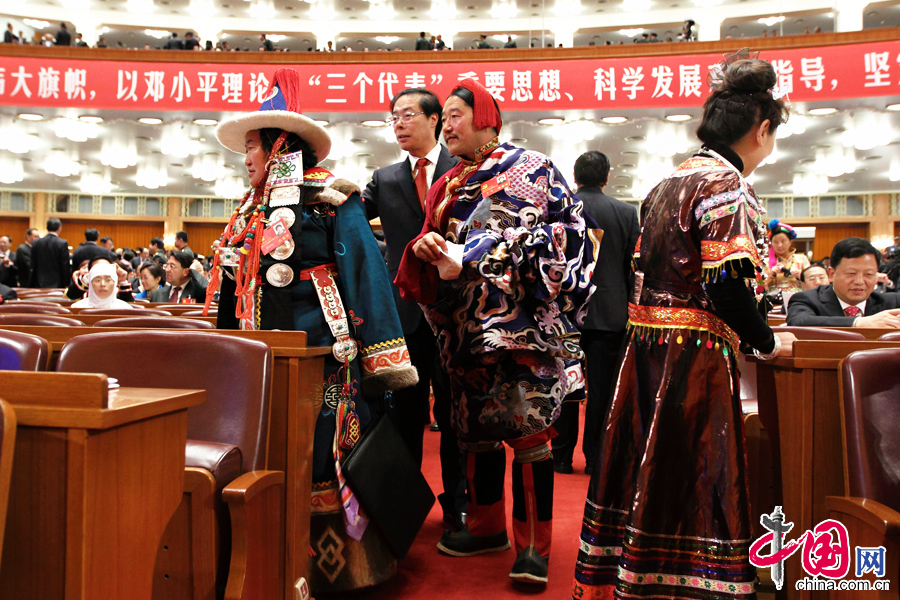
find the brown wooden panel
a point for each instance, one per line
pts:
(125, 234)
(15, 228)
(829, 235)
(202, 235)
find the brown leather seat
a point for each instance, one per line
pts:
(7, 445)
(21, 308)
(199, 313)
(236, 374)
(23, 352)
(870, 400)
(893, 336)
(126, 312)
(822, 333)
(41, 320)
(155, 323)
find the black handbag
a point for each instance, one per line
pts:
(390, 487)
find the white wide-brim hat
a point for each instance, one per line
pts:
(275, 112)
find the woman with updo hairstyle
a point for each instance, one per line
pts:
(784, 264)
(668, 512)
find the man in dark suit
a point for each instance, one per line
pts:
(89, 249)
(23, 257)
(50, 267)
(850, 301)
(63, 37)
(604, 325)
(181, 243)
(173, 43)
(185, 284)
(422, 43)
(7, 262)
(397, 194)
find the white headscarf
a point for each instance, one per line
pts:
(93, 300)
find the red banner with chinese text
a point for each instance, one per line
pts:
(806, 74)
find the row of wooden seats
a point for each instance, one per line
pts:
(52, 308)
(150, 321)
(265, 438)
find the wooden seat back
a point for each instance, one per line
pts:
(21, 308)
(40, 319)
(153, 322)
(7, 444)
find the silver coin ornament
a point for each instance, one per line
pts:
(344, 350)
(285, 214)
(284, 250)
(280, 275)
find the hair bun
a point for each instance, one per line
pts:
(749, 76)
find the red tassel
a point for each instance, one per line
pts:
(288, 81)
(486, 113)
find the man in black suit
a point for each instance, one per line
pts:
(181, 243)
(604, 325)
(89, 249)
(174, 43)
(185, 284)
(422, 43)
(397, 194)
(63, 37)
(850, 301)
(23, 257)
(7, 262)
(50, 266)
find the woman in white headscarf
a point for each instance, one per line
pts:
(102, 288)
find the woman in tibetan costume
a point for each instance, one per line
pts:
(299, 254)
(667, 513)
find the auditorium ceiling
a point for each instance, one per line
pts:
(853, 149)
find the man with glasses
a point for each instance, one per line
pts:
(185, 284)
(397, 194)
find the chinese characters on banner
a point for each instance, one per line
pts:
(806, 74)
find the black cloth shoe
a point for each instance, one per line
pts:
(589, 467)
(562, 468)
(455, 521)
(463, 543)
(530, 567)
(434, 426)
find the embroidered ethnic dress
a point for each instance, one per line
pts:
(783, 280)
(506, 327)
(667, 511)
(330, 228)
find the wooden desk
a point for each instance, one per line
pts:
(96, 478)
(799, 405)
(295, 404)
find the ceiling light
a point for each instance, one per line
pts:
(892, 107)
(504, 10)
(140, 7)
(175, 142)
(382, 11)
(59, 163)
(149, 120)
(91, 119)
(201, 8)
(321, 12)
(631, 32)
(118, 153)
(206, 122)
(76, 4)
(818, 112)
(372, 123)
(386, 39)
(95, 184)
(75, 130)
(262, 10)
(636, 5)
(614, 120)
(230, 187)
(35, 23)
(678, 118)
(551, 121)
(769, 21)
(31, 117)
(442, 10)
(11, 170)
(568, 7)
(157, 33)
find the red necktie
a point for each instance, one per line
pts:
(852, 311)
(422, 179)
(174, 296)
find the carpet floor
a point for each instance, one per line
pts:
(425, 573)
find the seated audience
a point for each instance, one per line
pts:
(152, 277)
(102, 284)
(187, 286)
(813, 276)
(79, 284)
(7, 293)
(851, 300)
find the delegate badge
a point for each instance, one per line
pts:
(500, 182)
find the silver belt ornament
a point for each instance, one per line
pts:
(345, 348)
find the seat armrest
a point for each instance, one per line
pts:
(222, 460)
(256, 503)
(880, 518)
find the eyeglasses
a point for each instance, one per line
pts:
(405, 117)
